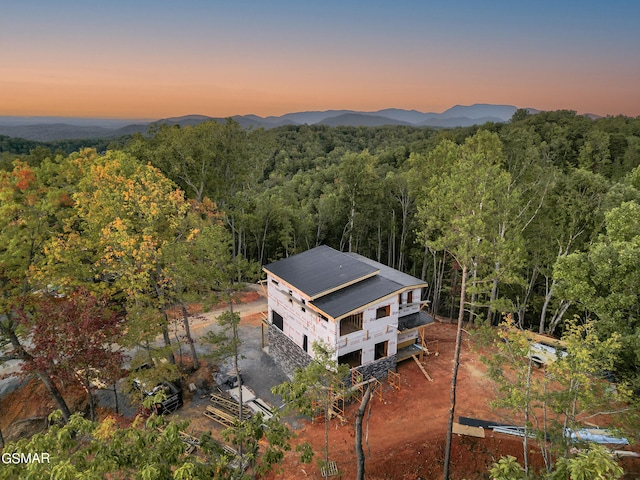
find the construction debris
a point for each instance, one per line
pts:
(467, 430)
(225, 411)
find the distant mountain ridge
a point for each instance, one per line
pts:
(46, 129)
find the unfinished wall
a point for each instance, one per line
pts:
(285, 352)
(379, 368)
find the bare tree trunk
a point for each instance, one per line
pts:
(87, 388)
(167, 341)
(494, 287)
(187, 333)
(558, 315)
(55, 393)
(453, 291)
(403, 235)
(115, 396)
(424, 262)
(474, 295)
(438, 277)
(454, 378)
(522, 306)
(237, 368)
(525, 438)
(44, 377)
(359, 417)
(352, 216)
(379, 249)
(545, 305)
(494, 294)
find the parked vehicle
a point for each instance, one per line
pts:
(543, 354)
(169, 394)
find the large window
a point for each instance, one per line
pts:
(353, 359)
(383, 311)
(276, 319)
(381, 350)
(351, 324)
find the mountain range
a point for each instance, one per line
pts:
(48, 129)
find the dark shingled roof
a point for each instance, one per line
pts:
(414, 320)
(320, 270)
(355, 296)
(339, 283)
(397, 276)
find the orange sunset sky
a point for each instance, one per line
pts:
(150, 60)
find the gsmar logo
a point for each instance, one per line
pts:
(19, 458)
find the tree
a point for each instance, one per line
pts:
(73, 339)
(199, 263)
(30, 214)
(567, 221)
(570, 392)
(595, 463)
(358, 184)
(314, 388)
(85, 449)
(456, 211)
(126, 214)
(603, 280)
(359, 418)
(271, 434)
(214, 160)
(511, 368)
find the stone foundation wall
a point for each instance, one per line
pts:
(290, 357)
(378, 369)
(284, 351)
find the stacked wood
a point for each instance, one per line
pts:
(225, 411)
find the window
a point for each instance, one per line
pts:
(353, 359)
(381, 350)
(351, 324)
(409, 297)
(305, 343)
(275, 282)
(383, 311)
(277, 320)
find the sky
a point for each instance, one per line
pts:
(157, 59)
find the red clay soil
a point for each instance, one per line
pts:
(407, 428)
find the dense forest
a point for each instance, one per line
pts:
(536, 220)
(543, 210)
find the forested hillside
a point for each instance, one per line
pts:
(544, 211)
(537, 219)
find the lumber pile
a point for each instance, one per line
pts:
(225, 411)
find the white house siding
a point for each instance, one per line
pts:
(407, 309)
(407, 336)
(297, 323)
(288, 303)
(414, 306)
(373, 331)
